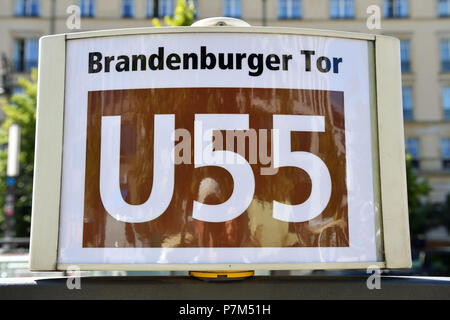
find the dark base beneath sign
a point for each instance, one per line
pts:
(255, 288)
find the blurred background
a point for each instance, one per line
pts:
(423, 26)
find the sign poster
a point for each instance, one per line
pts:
(217, 148)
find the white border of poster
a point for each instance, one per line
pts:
(353, 80)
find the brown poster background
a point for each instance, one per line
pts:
(212, 185)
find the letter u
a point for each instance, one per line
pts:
(163, 171)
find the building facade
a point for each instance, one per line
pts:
(423, 26)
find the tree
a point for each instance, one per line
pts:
(183, 15)
(21, 110)
(424, 216)
(417, 188)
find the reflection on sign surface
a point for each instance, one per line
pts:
(215, 167)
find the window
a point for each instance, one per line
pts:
(152, 5)
(127, 8)
(342, 9)
(232, 8)
(87, 8)
(396, 8)
(446, 102)
(444, 8)
(445, 55)
(412, 147)
(18, 90)
(407, 104)
(289, 9)
(27, 8)
(445, 152)
(405, 56)
(25, 54)
(196, 8)
(166, 7)
(162, 8)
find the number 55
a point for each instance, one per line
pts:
(240, 170)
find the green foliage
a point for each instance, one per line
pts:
(427, 217)
(424, 216)
(183, 15)
(20, 110)
(430, 216)
(417, 188)
(445, 209)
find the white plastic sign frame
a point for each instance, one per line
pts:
(388, 151)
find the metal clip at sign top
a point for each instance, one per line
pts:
(221, 22)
